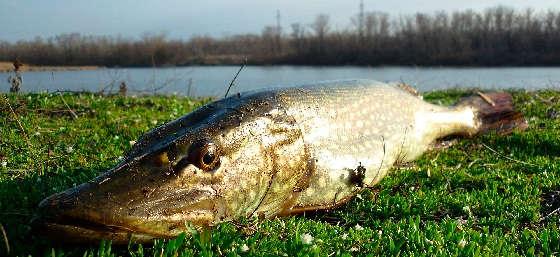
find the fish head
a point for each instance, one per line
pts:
(237, 157)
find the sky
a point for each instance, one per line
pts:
(26, 19)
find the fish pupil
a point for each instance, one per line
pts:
(208, 158)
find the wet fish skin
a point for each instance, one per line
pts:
(277, 152)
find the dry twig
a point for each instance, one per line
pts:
(74, 115)
(5, 238)
(542, 99)
(16, 214)
(234, 78)
(18, 122)
(511, 159)
(550, 214)
(486, 98)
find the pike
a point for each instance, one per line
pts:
(263, 154)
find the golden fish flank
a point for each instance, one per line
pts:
(263, 153)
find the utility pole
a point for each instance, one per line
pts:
(278, 28)
(278, 32)
(361, 21)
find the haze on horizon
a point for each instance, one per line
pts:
(26, 19)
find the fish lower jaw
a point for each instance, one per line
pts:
(74, 230)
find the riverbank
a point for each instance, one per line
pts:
(495, 195)
(9, 67)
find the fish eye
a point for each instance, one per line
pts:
(204, 155)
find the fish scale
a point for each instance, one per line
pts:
(351, 123)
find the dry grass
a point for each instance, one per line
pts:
(9, 67)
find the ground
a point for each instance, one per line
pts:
(490, 195)
(9, 67)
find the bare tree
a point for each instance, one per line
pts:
(298, 37)
(321, 27)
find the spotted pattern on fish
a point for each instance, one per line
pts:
(257, 154)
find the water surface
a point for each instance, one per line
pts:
(213, 80)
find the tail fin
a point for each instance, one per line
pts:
(495, 112)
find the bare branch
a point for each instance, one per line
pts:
(234, 78)
(506, 157)
(74, 115)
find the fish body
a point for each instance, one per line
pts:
(263, 153)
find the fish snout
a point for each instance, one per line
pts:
(54, 215)
(80, 215)
(55, 204)
(78, 201)
(53, 209)
(47, 211)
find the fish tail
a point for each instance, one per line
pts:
(494, 112)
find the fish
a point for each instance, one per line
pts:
(264, 153)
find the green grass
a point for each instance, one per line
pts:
(463, 200)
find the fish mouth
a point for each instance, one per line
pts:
(77, 230)
(61, 219)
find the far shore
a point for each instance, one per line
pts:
(9, 67)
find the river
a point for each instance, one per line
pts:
(214, 80)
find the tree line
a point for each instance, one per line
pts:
(498, 36)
